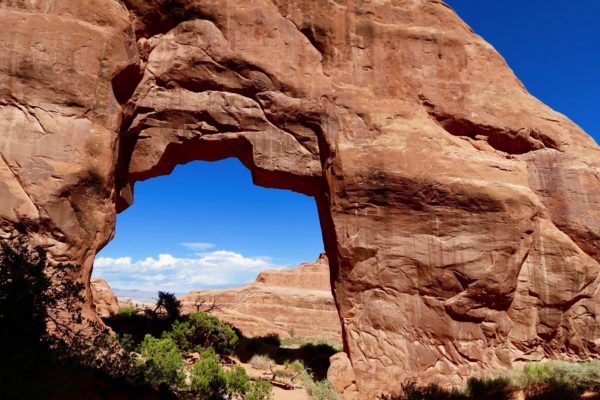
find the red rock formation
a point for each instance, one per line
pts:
(460, 215)
(105, 301)
(295, 301)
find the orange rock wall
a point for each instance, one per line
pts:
(460, 215)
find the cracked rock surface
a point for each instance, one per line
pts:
(460, 215)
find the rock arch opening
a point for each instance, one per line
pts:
(250, 291)
(207, 218)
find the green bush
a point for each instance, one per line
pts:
(238, 382)
(127, 342)
(182, 333)
(162, 362)
(208, 379)
(322, 390)
(127, 311)
(259, 390)
(559, 380)
(298, 342)
(538, 381)
(202, 330)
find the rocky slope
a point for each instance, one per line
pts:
(295, 301)
(460, 215)
(105, 301)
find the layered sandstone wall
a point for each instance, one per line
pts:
(105, 300)
(460, 215)
(288, 302)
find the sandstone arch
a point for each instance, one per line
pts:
(460, 215)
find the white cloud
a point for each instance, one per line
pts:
(181, 274)
(197, 246)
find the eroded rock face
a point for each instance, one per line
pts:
(293, 301)
(460, 215)
(105, 300)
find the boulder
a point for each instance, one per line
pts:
(105, 301)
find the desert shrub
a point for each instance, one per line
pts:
(126, 341)
(321, 390)
(261, 361)
(127, 311)
(34, 294)
(295, 366)
(49, 350)
(162, 362)
(259, 390)
(238, 382)
(208, 380)
(490, 389)
(167, 307)
(182, 333)
(559, 380)
(202, 330)
(294, 342)
(410, 391)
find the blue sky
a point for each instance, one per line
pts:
(207, 225)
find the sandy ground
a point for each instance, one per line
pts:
(278, 393)
(296, 394)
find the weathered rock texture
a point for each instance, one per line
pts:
(460, 215)
(295, 301)
(105, 301)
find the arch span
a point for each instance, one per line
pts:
(460, 215)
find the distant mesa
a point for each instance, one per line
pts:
(288, 302)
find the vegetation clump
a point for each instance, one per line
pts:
(201, 330)
(552, 380)
(261, 361)
(161, 362)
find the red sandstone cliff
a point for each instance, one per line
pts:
(295, 301)
(460, 215)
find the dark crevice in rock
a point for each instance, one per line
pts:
(125, 82)
(316, 35)
(512, 142)
(153, 17)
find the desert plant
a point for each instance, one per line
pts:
(161, 362)
(202, 330)
(321, 390)
(237, 381)
(33, 296)
(208, 380)
(126, 341)
(259, 390)
(261, 361)
(127, 311)
(167, 307)
(410, 391)
(558, 380)
(500, 388)
(45, 339)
